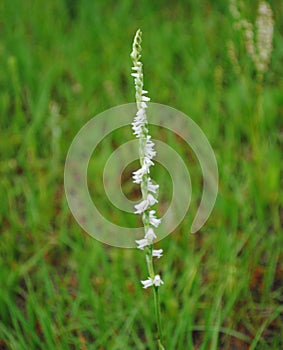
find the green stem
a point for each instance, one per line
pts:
(258, 119)
(156, 299)
(158, 318)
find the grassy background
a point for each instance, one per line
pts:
(64, 61)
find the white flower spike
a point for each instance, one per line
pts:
(142, 177)
(147, 153)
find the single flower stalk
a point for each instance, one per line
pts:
(149, 189)
(258, 38)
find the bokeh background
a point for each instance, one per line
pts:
(63, 62)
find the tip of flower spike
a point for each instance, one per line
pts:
(136, 53)
(138, 37)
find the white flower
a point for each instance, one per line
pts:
(136, 75)
(153, 220)
(143, 105)
(147, 240)
(139, 122)
(137, 175)
(147, 283)
(151, 187)
(140, 116)
(150, 235)
(147, 162)
(142, 243)
(149, 150)
(157, 253)
(145, 98)
(137, 129)
(141, 207)
(151, 200)
(156, 281)
(144, 204)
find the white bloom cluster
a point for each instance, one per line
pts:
(147, 240)
(156, 281)
(264, 24)
(146, 153)
(145, 204)
(260, 49)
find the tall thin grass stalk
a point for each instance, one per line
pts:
(149, 189)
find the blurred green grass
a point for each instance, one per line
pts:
(62, 62)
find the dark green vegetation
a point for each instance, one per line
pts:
(62, 62)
